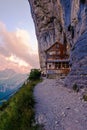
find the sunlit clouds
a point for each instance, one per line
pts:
(16, 51)
(16, 60)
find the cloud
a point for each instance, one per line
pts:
(16, 49)
(4, 63)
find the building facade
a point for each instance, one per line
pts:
(57, 60)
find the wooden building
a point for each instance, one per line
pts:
(57, 60)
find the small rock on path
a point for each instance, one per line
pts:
(58, 108)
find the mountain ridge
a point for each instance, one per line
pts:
(10, 82)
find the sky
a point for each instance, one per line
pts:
(18, 43)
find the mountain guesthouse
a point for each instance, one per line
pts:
(57, 60)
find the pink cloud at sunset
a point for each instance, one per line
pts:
(16, 52)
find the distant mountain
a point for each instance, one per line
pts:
(7, 73)
(10, 82)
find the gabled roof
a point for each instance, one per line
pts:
(54, 45)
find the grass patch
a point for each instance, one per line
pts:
(75, 88)
(85, 97)
(18, 113)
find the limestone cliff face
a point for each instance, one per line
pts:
(64, 21)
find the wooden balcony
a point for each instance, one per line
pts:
(56, 57)
(57, 60)
(61, 71)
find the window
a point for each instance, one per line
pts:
(67, 65)
(57, 65)
(52, 53)
(64, 65)
(49, 66)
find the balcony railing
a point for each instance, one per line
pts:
(56, 57)
(58, 71)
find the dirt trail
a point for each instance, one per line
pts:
(59, 108)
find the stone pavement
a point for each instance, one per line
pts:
(59, 108)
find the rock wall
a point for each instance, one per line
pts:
(78, 58)
(64, 21)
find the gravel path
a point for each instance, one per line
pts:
(59, 108)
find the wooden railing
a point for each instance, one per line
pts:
(58, 71)
(55, 57)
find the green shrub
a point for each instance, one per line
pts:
(85, 97)
(35, 74)
(75, 88)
